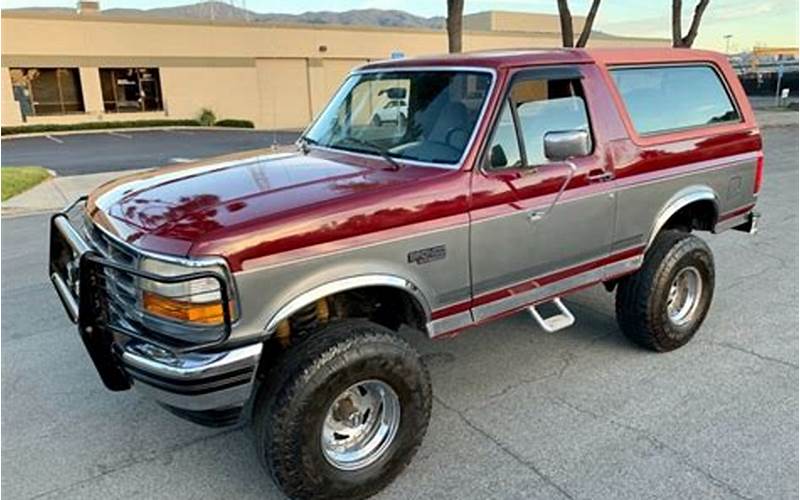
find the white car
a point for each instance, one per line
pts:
(394, 111)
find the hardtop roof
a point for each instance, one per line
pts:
(495, 59)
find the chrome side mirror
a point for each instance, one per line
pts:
(562, 145)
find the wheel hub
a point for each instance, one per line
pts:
(360, 425)
(684, 295)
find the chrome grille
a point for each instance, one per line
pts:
(123, 293)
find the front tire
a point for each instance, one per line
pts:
(663, 304)
(343, 412)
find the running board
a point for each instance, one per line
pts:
(564, 319)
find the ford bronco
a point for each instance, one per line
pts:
(270, 288)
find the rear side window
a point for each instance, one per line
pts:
(664, 98)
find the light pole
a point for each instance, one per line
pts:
(727, 43)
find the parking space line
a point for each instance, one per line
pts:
(54, 139)
(182, 160)
(120, 134)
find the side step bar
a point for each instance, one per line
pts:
(552, 324)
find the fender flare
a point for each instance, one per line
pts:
(343, 285)
(679, 200)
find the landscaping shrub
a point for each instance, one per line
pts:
(207, 117)
(235, 123)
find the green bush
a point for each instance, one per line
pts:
(235, 123)
(27, 129)
(207, 117)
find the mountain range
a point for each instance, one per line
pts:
(221, 11)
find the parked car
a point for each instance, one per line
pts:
(272, 288)
(393, 111)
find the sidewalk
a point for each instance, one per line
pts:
(55, 193)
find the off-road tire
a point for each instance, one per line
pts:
(290, 409)
(641, 301)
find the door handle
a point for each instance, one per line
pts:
(599, 175)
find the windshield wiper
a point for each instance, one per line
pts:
(375, 148)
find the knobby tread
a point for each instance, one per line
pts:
(640, 314)
(321, 359)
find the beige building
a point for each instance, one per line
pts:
(85, 67)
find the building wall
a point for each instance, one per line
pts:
(498, 20)
(277, 76)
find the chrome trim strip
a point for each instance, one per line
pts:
(188, 366)
(342, 285)
(449, 323)
(449, 166)
(492, 309)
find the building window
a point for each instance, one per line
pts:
(47, 91)
(131, 89)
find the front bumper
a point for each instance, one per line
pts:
(206, 382)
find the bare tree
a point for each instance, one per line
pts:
(587, 25)
(678, 40)
(567, 35)
(567, 38)
(455, 12)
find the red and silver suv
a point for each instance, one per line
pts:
(272, 288)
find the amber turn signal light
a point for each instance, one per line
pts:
(204, 313)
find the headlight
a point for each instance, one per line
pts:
(196, 301)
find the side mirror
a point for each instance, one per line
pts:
(497, 157)
(565, 144)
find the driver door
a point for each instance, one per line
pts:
(537, 225)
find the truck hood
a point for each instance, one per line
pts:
(172, 209)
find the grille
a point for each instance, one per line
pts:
(113, 296)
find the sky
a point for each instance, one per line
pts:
(749, 22)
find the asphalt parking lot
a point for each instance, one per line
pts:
(76, 154)
(519, 413)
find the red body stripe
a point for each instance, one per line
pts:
(536, 282)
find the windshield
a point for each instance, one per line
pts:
(424, 116)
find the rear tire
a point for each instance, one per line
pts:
(322, 391)
(663, 304)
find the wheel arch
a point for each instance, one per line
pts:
(352, 283)
(698, 200)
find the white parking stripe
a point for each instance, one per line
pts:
(54, 139)
(182, 160)
(120, 134)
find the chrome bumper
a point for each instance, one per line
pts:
(195, 382)
(207, 387)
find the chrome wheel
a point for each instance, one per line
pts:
(684, 296)
(360, 425)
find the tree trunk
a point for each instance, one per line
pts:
(677, 31)
(455, 10)
(688, 40)
(567, 38)
(587, 26)
(678, 40)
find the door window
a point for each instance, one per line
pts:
(535, 107)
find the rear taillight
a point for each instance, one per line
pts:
(759, 174)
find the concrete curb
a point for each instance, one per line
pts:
(137, 129)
